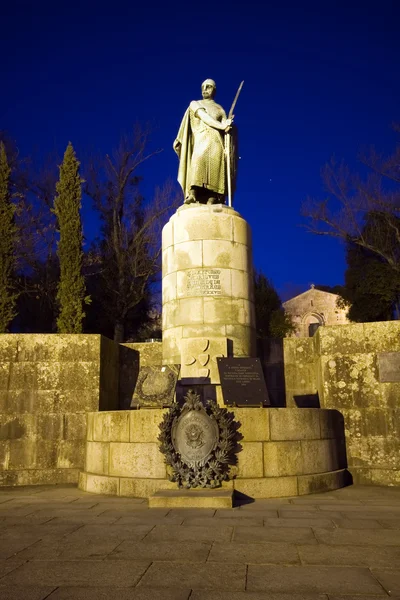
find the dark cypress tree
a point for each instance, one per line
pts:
(271, 319)
(8, 232)
(71, 287)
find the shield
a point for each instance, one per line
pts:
(194, 436)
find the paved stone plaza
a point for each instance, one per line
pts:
(57, 542)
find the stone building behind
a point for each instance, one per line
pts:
(314, 308)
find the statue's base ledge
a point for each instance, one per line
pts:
(192, 498)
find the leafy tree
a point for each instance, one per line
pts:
(271, 319)
(8, 232)
(281, 324)
(331, 289)
(372, 285)
(71, 288)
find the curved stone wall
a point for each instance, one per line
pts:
(285, 452)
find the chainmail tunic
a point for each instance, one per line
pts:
(208, 159)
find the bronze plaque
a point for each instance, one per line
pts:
(194, 436)
(155, 386)
(242, 382)
(389, 367)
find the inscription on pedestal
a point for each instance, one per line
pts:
(242, 382)
(203, 282)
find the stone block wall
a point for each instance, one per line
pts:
(132, 356)
(48, 383)
(339, 366)
(285, 452)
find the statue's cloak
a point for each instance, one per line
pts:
(200, 170)
(183, 146)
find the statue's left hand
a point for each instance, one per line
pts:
(227, 125)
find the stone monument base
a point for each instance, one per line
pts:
(285, 452)
(197, 498)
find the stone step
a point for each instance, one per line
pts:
(203, 498)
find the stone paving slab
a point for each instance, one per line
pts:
(196, 576)
(6, 566)
(264, 553)
(120, 532)
(389, 579)
(390, 523)
(40, 531)
(207, 595)
(355, 508)
(236, 513)
(363, 597)
(55, 549)
(71, 593)
(17, 592)
(6, 522)
(10, 547)
(367, 537)
(330, 580)
(324, 499)
(72, 514)
(91, 548)
(317, 522)
(295, 535)
(148, 518)
(308, 514)
(77, 572)
(362, 556)
(226, 521)
(172, 533)
(60, 543)
(9, 510)
(368, 513)
(133, 510)
(347, 523)
(162, 551)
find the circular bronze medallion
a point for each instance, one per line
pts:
(194, 436)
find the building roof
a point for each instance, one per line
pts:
(312, 292)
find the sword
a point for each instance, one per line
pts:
(228, 147)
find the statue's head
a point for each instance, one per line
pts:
(208, 88)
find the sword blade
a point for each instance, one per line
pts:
(235, 100)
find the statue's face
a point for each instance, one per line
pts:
(207, 90)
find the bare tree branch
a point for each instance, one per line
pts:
(351, 199)
(128, 255)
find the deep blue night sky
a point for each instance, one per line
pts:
(321, 79)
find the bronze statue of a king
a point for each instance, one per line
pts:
(204, 148)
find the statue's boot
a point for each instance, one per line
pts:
(191, 197)
(217, 199)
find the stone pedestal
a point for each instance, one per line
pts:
(207, 287)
